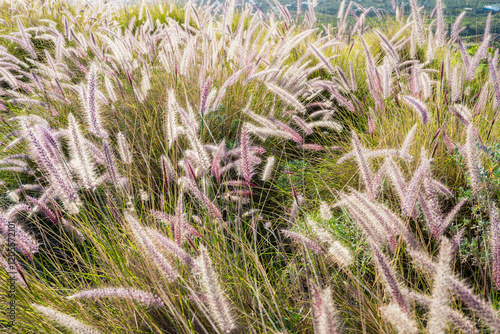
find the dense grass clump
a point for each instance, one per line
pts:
(171, 168)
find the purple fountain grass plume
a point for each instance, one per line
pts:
(45, 209)
(141, 297)
(325, 124)
(440, 294)
(472, 158)
(22, 240)
(51, 163)
(354, 85)
(456, 83)
(363, 166)
(494, 79)
(75, 326)
(111, 164)
(322, 58)
(414, 187)
(219, 306)
(418, 106)
(481, 53)
(204, 97)
(458, 320)
(293, 134)
(306, 242)
(124, 148)
(387, 46)
(268, 169)
(192, 188)
(390, 279)
(325, 212)
(216, 161)
(342, 100)
(287, 97)
(325, 315)
(495, 245)
(418, 22)
(450, 216)
(336, 251)
(311, 147)
(110, 89)
(178, 222)
(171, 246)
(14, 270)
(81, 161)
(404, 151)
(302, 125)
(486, 311)
(26, 42)
(171, 118)
(167, 170)
(246, 166)
(393, 314)
(455, 28)
(369, 225)
(149, 247)
(440, 32)
(431, 214)
(92, 113)
(482, 100)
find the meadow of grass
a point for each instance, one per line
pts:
(207, 168)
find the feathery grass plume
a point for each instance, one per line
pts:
(14, 270)
(193, 189)
(397, 179)
(390, 279)
(171, 246)
(81, 161)
(306, 242)
(393, 314)
(74, 325)
(455, 29)
(414, 187)
(217, 156)
(23, 241)
(268, 169)
(418, 106)
(450, 216)
(149, 247)
(458, 320)
(141, 297)
(486, 311)
(472, 158)
(92, 113)
(167, 170)
(404, 151)
(50, 161)
(429, 54)
(495, 245)
(219, 305)
(494, 79)
(246, 165)
(171, 128)
(418, 22)
(324, 210)
(363, 166)
(287, 97)
(111, 163)
(440, 32)
(123, 148)
(110, 89)
(325, 315)
(440, 294)
(337, 252)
